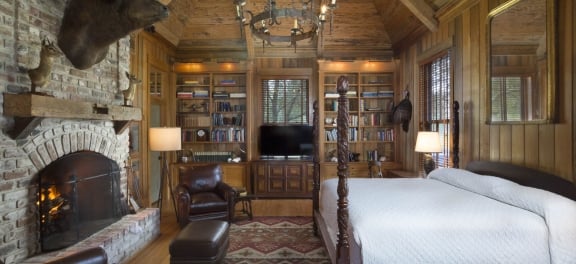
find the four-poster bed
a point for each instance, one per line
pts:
(481, 214)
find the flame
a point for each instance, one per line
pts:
(54, 197)
(53, 193)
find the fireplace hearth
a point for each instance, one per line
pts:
(79, 194)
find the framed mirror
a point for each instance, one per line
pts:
(521, 83)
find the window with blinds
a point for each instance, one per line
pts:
(436, 103)
(285, 102)
(509, 97)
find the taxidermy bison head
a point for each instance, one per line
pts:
(90, 26)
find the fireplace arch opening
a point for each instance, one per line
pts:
(79, 194)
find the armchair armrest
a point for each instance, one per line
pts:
(229, 194)
(182, 204)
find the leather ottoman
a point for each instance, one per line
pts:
(203, 242)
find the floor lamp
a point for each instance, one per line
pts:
(428, 142)
(164, 139)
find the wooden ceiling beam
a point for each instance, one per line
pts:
(423, 12)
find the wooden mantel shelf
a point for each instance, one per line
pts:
(31, 106)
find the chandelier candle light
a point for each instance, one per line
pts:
(307, 24)
(165, 139)
(428, 142)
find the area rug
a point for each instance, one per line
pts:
(275, 240)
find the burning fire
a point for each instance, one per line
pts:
(52, 203)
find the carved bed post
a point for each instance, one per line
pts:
(316, 161)
(456, 136)
(343, 246)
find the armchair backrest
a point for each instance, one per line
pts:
(202, 178)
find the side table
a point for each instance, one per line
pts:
(246, 205)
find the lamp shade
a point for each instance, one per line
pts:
(428, 142)
(165, 138)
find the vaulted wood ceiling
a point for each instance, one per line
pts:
(367, 29)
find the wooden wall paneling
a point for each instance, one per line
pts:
(546, 147)
(531, 146)
(566, 55)
(410, 71)
(518, 144)
(505, 143)
(483, 137)
(493, 143)
(464, 86)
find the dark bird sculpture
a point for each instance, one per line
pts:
(402, 113)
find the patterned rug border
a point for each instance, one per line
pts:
(275, 222)
(275, 240)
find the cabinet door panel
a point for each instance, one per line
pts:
(276, 185)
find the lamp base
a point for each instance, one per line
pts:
(429, 164)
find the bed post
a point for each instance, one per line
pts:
(316, 173)
(343, 246)
(456, 136)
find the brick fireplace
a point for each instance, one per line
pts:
(79, 194)
(47, 143)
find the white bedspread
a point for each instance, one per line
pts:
(455, 216)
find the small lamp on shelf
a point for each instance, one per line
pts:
(428, 142)
(165, 139)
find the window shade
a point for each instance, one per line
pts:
(508, 97)
(436, 103)
(285, 101)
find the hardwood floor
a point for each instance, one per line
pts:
(157, 251)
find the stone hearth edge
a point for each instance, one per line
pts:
(120, 240)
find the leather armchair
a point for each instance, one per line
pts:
(201, 194)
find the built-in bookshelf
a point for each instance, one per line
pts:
(211, 110)
(371, 93)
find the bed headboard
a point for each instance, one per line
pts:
(525, 176)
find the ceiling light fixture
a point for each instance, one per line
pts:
(306, 23)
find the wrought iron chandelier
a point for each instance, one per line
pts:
(307, 24)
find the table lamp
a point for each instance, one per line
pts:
(428, 142)
(165, 139)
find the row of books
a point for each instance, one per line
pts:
(204, 82)
(211, 156)
(377, 105)
(332, 105)
(193, 121)
(228, 107)
(193, 94)
(206, 94)
(228, 135)
(336, 95)
(376, 119)
(332, 134)
(219, 119)
(377, 94)
(232, 134)
(386, 135)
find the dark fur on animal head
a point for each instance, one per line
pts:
(90, 26)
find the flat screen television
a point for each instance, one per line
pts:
(285, 142)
